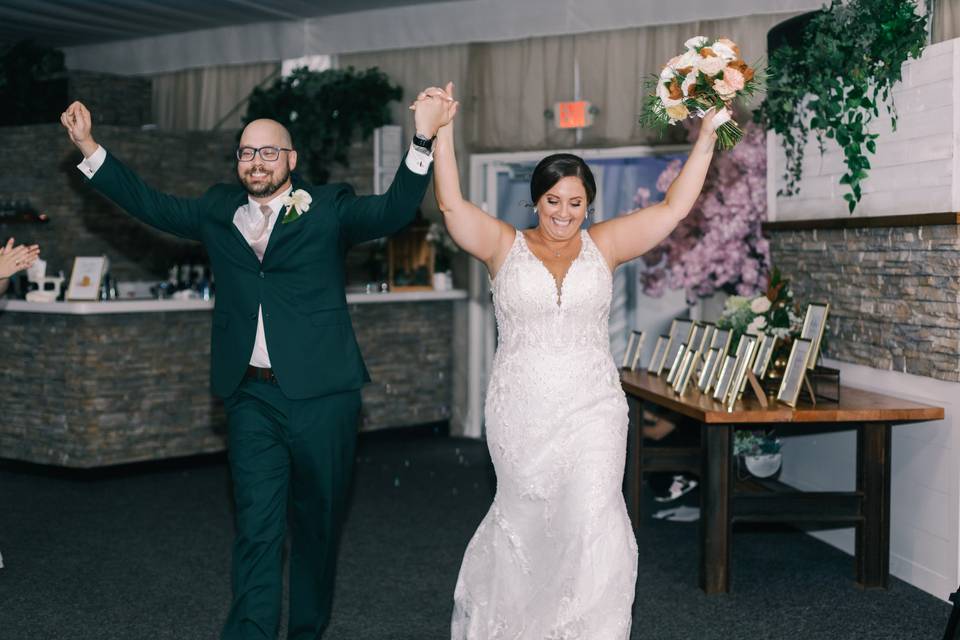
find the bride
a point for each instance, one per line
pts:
(555, 557)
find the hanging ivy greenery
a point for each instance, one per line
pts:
(835, 81)
(324, 110)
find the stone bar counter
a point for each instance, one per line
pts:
(89, 384)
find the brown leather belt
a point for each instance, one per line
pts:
(260, 373)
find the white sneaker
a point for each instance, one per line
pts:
(681, 486)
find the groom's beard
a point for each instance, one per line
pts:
(268, 185)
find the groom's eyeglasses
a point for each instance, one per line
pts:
(267, 154)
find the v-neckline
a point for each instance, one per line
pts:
(557, 283)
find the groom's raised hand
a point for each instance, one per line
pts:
(76, 120)
(433, 109)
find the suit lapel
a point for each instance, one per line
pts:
(281, 230)
(239, 201)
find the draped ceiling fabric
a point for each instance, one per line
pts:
(411, 26)
(505, 87)
(208, 98)
(946, 20)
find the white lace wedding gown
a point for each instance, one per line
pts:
(555, 557)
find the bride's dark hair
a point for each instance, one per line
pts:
(553, 168)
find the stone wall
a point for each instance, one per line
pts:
(95, 390)
(39, 166)
(894, 293)
(408, 348)
(113, 99)
(88, 391)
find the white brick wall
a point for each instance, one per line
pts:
(916, 169)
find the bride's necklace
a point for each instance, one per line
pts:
(556, 252)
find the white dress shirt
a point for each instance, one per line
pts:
(248, 219)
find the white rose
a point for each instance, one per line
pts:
(723, 51)
(664, 94)
(299, 200)
(757, 324)
(695, 41)
(688, 82)
(688, 59)
(760, 304)
(711, 65)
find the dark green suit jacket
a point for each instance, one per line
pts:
(300, 284)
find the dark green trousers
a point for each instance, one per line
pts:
(296, 456)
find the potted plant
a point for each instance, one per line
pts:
(325, 110)
(759, 451)
(834, 81)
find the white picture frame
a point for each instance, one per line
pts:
(86, 276)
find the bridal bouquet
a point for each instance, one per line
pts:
(707, 75)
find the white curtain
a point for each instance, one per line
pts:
(208, 98)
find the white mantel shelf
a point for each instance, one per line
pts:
(163, 306)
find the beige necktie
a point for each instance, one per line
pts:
(259, 241)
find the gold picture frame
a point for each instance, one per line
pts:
(814, 324)
(724, 377)
(746, 350)
(675, 366)
(795, 372)
(761, 363)
(679, 334)
(659, 355)
(721, 340)
(709, 370)
(632, 353)
(686, 371)
(708, 330)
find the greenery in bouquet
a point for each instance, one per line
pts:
(708, 75)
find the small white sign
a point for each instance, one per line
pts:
(85, 278)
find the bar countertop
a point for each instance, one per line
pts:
(162, 306)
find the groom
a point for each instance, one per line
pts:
(283, 357)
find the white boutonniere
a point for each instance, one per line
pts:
(297, 203)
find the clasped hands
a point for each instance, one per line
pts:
(434, 108)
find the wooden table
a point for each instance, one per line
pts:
(722, 504)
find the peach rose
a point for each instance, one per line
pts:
(733, 78)
(724, 90)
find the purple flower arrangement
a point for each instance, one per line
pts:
(719, 245)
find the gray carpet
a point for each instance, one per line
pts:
(142, 551)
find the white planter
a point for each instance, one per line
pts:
(915, 169)
(763, 466)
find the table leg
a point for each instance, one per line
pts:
(873, 481)
(715, 490)
(634, 475)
